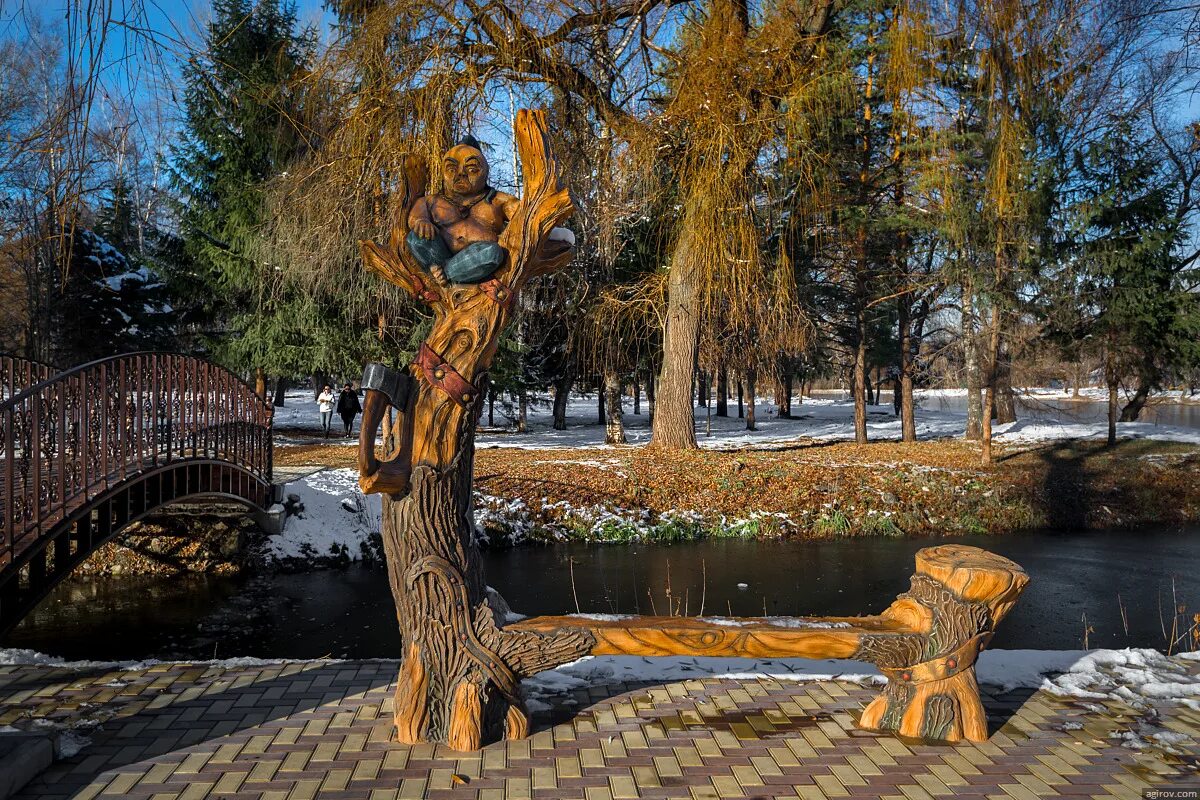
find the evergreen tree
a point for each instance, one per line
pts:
(1124, 281)
(241, 112)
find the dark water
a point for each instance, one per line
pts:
(349, 613)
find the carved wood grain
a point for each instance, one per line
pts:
(458, 682)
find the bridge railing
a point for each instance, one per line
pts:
(18, 374)
(71, 437)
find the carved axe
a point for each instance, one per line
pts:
(384, 387)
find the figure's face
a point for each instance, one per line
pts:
(464, 170)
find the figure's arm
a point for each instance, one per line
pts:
(507, 204)
(420, 219)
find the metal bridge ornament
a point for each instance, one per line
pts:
(87, 451)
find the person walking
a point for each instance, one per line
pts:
(325, 403)
(348, 407)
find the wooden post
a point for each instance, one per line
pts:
(458, 681)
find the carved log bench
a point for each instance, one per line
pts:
(925, 643)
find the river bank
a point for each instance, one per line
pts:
(803, 491)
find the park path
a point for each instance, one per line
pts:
(320, 729)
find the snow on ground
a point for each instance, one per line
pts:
(1136, 677)
(337, 519)
(822, 418)
(337, 522)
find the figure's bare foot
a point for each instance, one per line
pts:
(439, 275)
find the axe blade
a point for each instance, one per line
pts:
(394, 385)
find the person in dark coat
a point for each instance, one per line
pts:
(348, 407)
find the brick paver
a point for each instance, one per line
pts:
(320, 729)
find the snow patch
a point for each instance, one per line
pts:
(337, 521)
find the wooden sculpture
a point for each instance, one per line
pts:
(925, 643)
(459, 677)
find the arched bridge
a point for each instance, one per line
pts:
(85, 452)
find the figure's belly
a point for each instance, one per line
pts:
(458, 235)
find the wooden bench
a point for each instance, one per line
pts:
(925, 643)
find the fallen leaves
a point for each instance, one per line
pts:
(842, 488)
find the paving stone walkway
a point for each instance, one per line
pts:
(320, 729)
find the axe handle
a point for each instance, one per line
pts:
(375, 405)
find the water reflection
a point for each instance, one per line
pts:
(1078, 580)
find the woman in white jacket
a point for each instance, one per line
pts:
(325, 403)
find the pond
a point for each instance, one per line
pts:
(1124, 588)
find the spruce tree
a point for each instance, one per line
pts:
(241, 109)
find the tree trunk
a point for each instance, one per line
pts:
(785, 410)
(1133, 409)
(601, 412)
(674, 426)
(989, 397)
(491, 408)
(318, 382)
(562, 394)
(860, 383)
(722, 392)
(260, 383)
(908, 422)
(741, 412)
(650, 395)
(1006, 402)
(702, 389)
(614, 428)
(459, 678)
(637, 393)
(971, 364)
(1112, 408)
(281, 385)
(523, 411)
(751, 379)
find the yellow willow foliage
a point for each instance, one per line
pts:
(620, 324)
(731, 94)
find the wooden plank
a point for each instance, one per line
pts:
(752, 637)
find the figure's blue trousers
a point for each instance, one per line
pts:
(474, 263)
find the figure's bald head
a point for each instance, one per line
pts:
(464, 170)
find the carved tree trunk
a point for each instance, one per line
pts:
(458, 681)
(958, 596)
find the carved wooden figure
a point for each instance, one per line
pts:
(459, 677)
